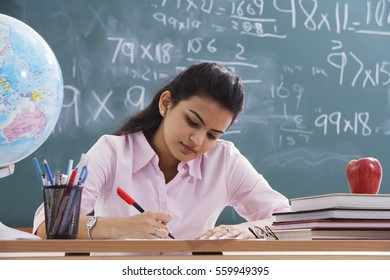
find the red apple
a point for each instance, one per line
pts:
(364, 175)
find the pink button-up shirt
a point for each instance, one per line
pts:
(202, 188)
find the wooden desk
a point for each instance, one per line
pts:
(240, 249)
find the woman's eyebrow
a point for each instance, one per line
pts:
(198, 116)
(202, 121)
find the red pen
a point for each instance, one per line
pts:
(122, 194)
(129, 199)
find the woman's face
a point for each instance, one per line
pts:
(192, 126)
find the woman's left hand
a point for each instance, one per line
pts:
(225, 232)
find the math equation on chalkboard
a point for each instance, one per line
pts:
(316, 73)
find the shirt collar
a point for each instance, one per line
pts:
(143, 153)
(193, 167)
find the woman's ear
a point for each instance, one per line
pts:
(165, 102)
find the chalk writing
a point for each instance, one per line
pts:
(357, 125)
(281, 49)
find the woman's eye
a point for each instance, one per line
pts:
(191, 123)
(211, 136)
(195, 125)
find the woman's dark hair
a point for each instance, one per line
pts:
(208, 80)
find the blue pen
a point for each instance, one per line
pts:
(49, 175)
(38, 168)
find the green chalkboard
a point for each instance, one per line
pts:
(316, 75)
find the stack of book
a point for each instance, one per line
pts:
(335, 216)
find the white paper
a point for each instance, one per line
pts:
(7, 233)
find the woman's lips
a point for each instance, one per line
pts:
(188, 149)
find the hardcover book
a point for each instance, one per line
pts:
(329, 234)
(332, 213)
(334, 224)
(341, 200)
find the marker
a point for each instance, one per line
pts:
(49, 175)
(129, 199)
(122, 194)
(72, 177)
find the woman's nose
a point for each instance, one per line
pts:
(197, 138)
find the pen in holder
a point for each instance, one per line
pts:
(62, 211)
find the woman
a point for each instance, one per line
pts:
(170, 159)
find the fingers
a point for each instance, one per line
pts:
(149, 225)
(160, 233)
(161, 217)
(158, 221)
(224, 232)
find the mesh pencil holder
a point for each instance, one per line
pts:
(62, 211)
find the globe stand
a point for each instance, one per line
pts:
(7, 170)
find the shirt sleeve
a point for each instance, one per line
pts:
(100, 174)
(249, 193)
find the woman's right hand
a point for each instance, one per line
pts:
(146, 225)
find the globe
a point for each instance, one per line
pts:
(31, 90)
